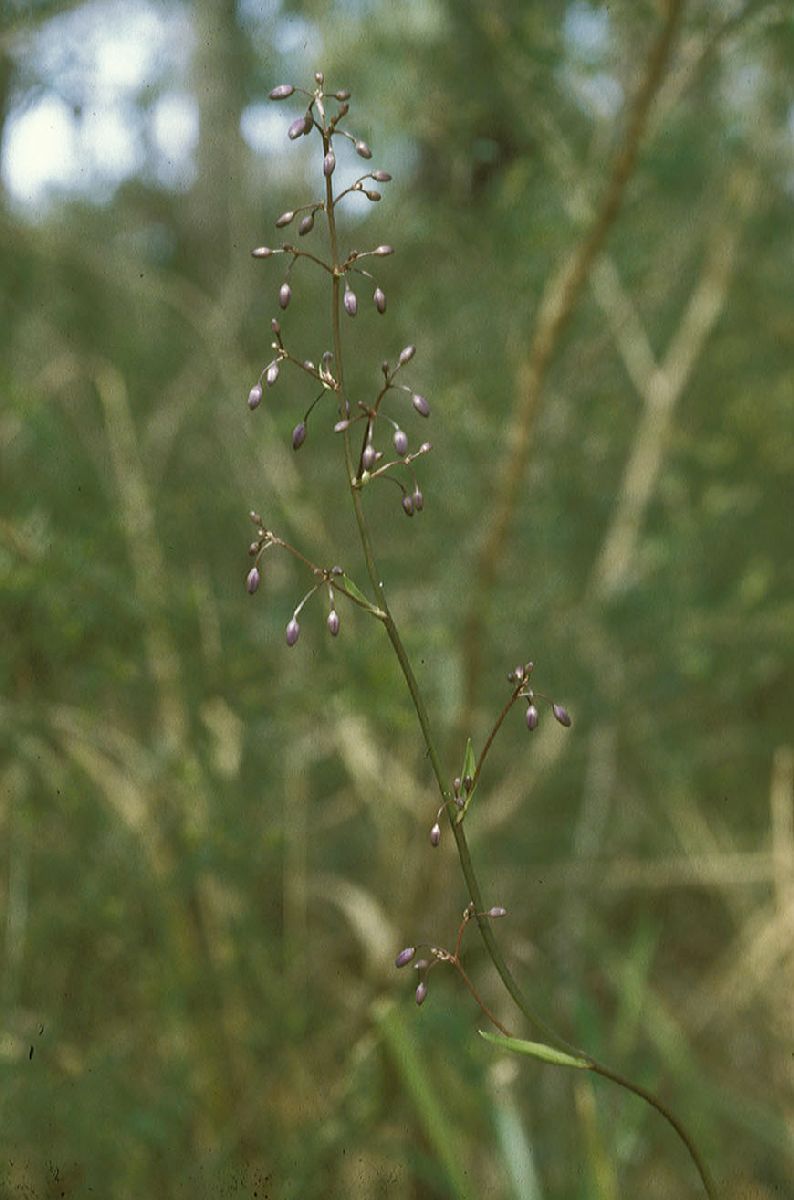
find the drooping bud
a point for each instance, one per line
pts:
(285, 219)
(275, 326)
(297, 129)
(408, 506)
(400, 441)
(252, 581)
(561, 714)
(381, 176)
(271, 375)
(350, 302)
(342, 94)
(497, 911)
(371, 194)
(421, 405)
(435, 834)
(382, 251)
(532, 717)
(426, 447)
(341, 426)
(281, 92)
(419, 500)
(298, 436)
(369, 457)
(406, 354)
(255, 397)
(306, 224)
(329, 164)
(421, 992)
(254, 548)
(293, 632)
(261, 252)
(405, 956)
(333, 622)
(284, 295)
(362, 149)
(380, 300)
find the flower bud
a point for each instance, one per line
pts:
(261, 252)
(406, 354)
(319, 78)
(255, 517)
(561, 714)
(329, 164)
(285, 219)
(456, 785)
(468, 783)
(426, 447)
(380, 300)
(284, 295)
(408, 506)
(254, 548)
(497, 911)
(421, 992)
(382, 251)
(421, 964)
(252, 581)
(532, 717)
(419, 500)
(281, 92)
(381, 176)
(421, 405)
(362, 149)
(343, 94)
(435, 834)
(341, 426)
(405, 956)
(333, 622)
(400, 441)
(350, 302)
(368, 457)
(306, 224)
(297, 129)
(371, 194)
(275, 326)
(255, 397)
(337, 571)
(271, 375)
(293, 632)
(298, 436)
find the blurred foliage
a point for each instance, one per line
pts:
(211, 847)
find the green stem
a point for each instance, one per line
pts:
(467, 866)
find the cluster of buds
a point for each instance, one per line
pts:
(372, 463)
(433, 955)
(461, 789)
(520, 676)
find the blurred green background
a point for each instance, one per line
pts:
(211, 847)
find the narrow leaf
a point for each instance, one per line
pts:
(468, 768)
(536, 1050)
(354, 591)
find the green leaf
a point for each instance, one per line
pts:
(354, 591)
(468, 768)
(536, 1050)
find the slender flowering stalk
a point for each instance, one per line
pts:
(362, 470)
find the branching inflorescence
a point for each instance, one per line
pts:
(366, 461)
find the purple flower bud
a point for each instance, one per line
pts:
(297, 129)
(421, 405)
(421, 992)
(561, 714)
(319, 78)
(328, 358)
(329, 164)
(426, 447)
(285, 219)
(419, 501)
(255, 517)
(363, 150)
(275, 326)
(341, 426)
(337, 571)
(308, 364)
(333, 622)
(405, 956)
(350, 302)
(343, 94)
(408, 506)
(293, 632)
(368, 457)
(380, 300)
(271, 375)
(254, 548)
(306, 224)
(381, 176)
(382, 251)
(532, 717)
(281, 92)
(371, 194)
(435, 834)
(284, 295)
(298, 436)
(497, 911)
(407, 354)
(261, 252)
(252, 581)
(255, 397)
(400, 441)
